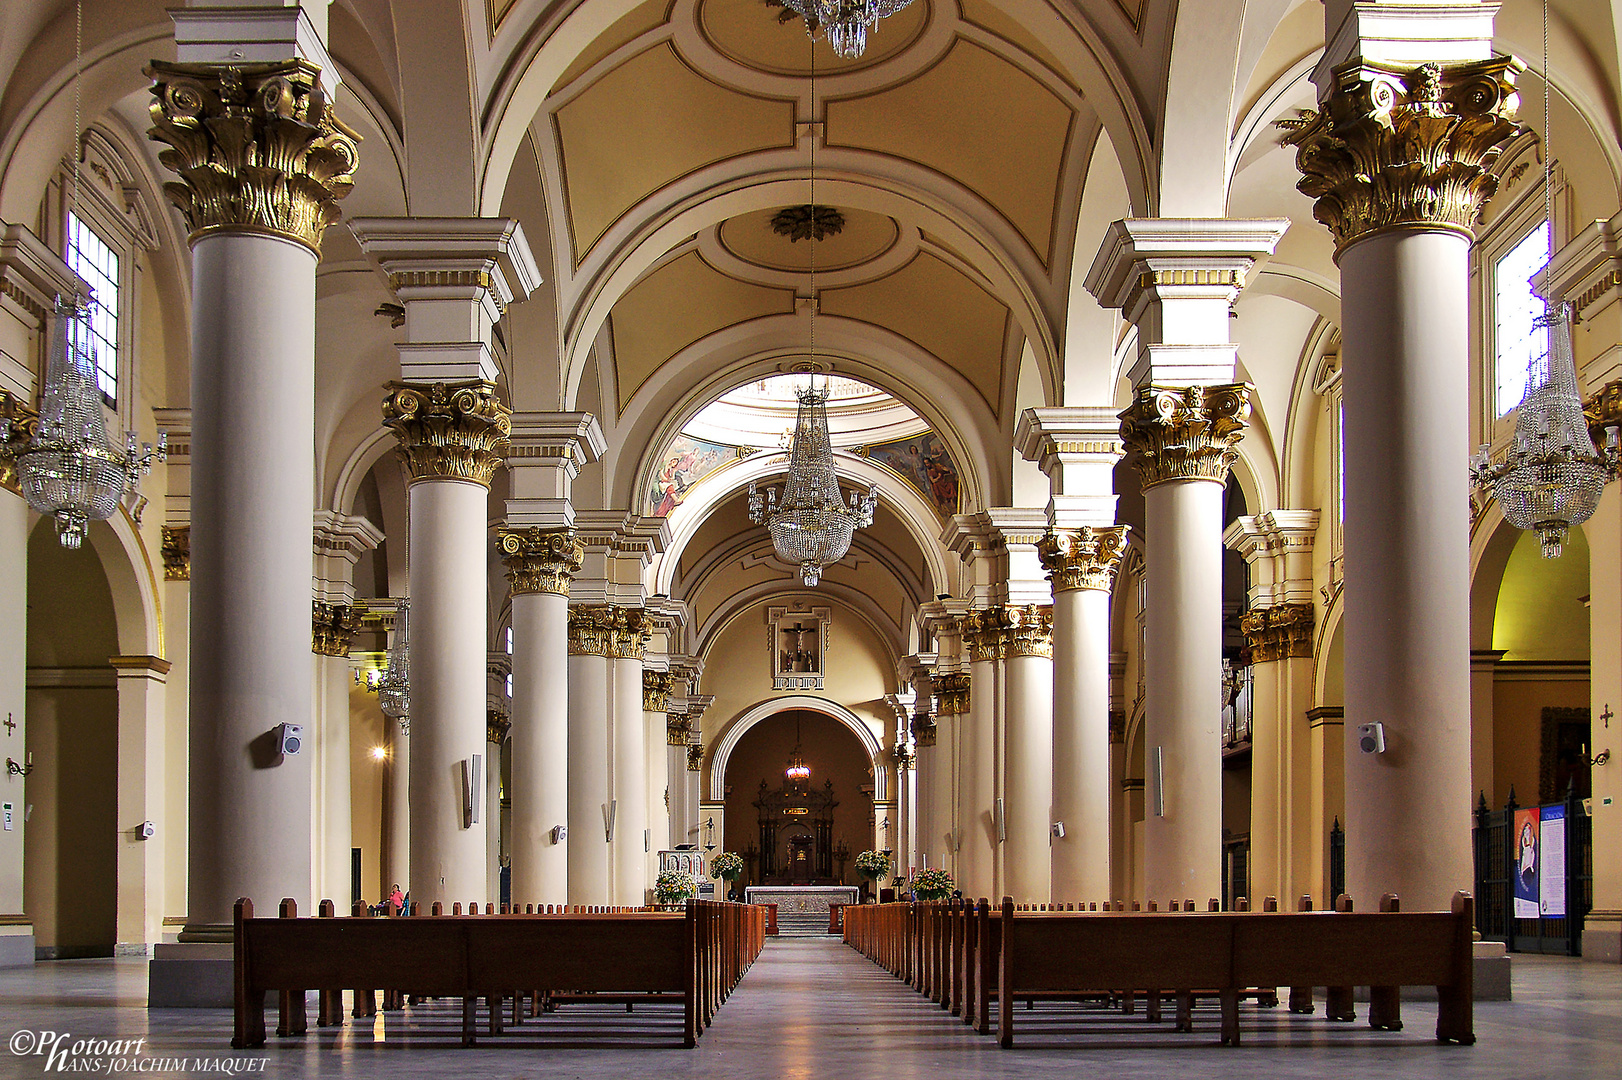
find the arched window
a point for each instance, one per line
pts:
(1519, 344)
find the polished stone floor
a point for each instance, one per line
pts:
(812, 1008)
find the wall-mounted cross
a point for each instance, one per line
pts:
(11, 725)
(1605, 716)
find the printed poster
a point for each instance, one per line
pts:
(1552, 876)
(1528, 898)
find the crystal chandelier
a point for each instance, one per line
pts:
(844, 22)
(69, 469)
(798, 771)
(813, 526)
(394, 691)
(1552, 477)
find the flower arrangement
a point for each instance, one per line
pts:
(873, 864)
(727, 865)
(933, 884)
(674, 886)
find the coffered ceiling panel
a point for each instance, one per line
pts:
(933, 305)
(979, 120)
(674, 306)
(647, 122)
(630, 26)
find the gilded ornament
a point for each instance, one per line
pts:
(332, 628)
(257, 148)
(18, 424)
(497, 725)
(1186, 432)
(695, 757)
(540, 560)
(952, 692)
(1029, 631)
(1603, 410)
(448, 431)
(678, 727)
(1084, 558)
(902, 757)
(606, 630)
(924, 729)
(656, 692)
(1280, 632)
(1396, 147)
(177, 553)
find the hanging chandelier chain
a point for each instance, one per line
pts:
(1548, 142)
(811, 184)
(78, 117)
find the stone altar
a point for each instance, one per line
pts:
(801, 899)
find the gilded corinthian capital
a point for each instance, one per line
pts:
(656, 693)
(1280, 632)
(1029, 630)
(540, 560)
(606, 630)
(1084, 558)
(1186, 432)
(1400, 148)
(256, 146)
(18, 423)
(332, 628)
(448, 431)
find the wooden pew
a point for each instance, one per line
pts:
(698, 955)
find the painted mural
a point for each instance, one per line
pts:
(924, 462)
(687, 461)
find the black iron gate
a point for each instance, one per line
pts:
(1497, 857)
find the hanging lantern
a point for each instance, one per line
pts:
(1552, 477)
(844, 23)
(69, 469)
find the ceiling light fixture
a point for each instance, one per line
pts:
(1552, 477)
(844, 23)
(813, 527)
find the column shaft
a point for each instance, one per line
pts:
(253, 463)
(1028, 779)
(1183, 671)
(397, 810)
(1081, 745)
(1406, 361)
(590, 676)
(629, 781)
(448, 651)
(1602, 929)
(13, 702)
(977, 765)
(540, 747)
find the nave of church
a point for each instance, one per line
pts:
(533, 454)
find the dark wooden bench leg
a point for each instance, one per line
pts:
(1301, 999)
(1230, 1017)
(1185, 1011)
(495, 1005)
(1338, 1004)
(1385, 1008)
(470, 1021)
(1151, 1007)
(1129, 1003)
(1455, 1016)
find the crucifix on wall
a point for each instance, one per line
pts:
(798, 637)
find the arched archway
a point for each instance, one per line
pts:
(735, 731)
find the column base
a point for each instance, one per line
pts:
(191, 976)
(17, 950)
(1602, 937)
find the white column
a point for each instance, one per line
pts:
(1177, 280)
(16, 946)
(1402, 241)
(1407, 596)
(252, 473)
(977, 761)
(540, 564)
(141, 775)
(629, 772)
(397, 809)
(1028, 772)
(589, 799)
(1082, 566)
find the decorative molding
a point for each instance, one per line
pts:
(332, 628)
(257, 147)
(177, 553)
(1084, 558)
(540, 560)
(924, 729)
(952, 693)
(18, 423)
(620, 633)
(1029, 631)
(1186, 432)
(1280, 632)
(1603, 410)
(695, 757)
(448, 431)
(1405, 148)
(807, 222)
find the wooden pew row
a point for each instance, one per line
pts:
(696, 955)
(957, 956)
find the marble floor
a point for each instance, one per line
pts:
(814, 1008)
